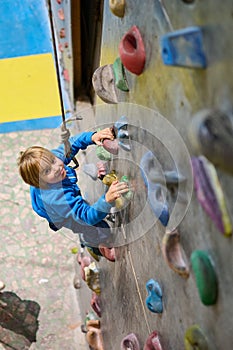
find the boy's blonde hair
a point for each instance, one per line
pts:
(29, 163)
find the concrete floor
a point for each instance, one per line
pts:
(35, 262)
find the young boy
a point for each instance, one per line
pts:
(56, 196)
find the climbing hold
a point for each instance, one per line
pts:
(125, 145)
(108, 253)
(111, 146)
(128, 195)
(154, 299)
(153, 342)
(95, 304)
(122, 123)
(89, 316)
(91, 170)
(195, 339)
(205, 277)
(66, 75)
(92, 323)
(94, 252)
(132, 51)
(62, 33)
(61, 14)
(83, 261)
(92, 277)
(119, 203)
(131, 342)
(154, 174)
(117, 7)
(103, 81)
(94, 338)
(101, 169)
(76, 282)
(184, 48)
(123, 134)
(109, 178)
(74, 250)
(210, 194)
(102, 153)
(156, 191)
(173, 253)
(120, 77)
(211, 134)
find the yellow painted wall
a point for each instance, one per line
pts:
(28, 88)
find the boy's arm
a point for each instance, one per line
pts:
(80, 141)
(69, 206)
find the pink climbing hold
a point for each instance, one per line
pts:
(130, 342)
(61, 14)
(95, 304)
(132, 51)
(108, 253)
(153, 342)
(66, 75)
(83, 261)
(111, 146)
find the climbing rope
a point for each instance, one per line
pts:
(65, 133)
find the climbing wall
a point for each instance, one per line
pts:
(183, 74)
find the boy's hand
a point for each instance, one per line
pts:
(116, 190)
(102, 134)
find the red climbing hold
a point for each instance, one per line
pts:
(132, 51)
(153, 342)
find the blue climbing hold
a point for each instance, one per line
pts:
(154, 300)
(184, 48)
(121, 123)
(157, 200)
(152, 175)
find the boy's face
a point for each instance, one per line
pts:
(53, 172)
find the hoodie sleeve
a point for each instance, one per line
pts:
(80, 141)
(75, 208)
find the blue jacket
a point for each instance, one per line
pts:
(62, 203)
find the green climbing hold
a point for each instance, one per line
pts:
(128, 195)
(102, 153)
(194, 339)
(120, 77)
(205, 276)
(74, 250)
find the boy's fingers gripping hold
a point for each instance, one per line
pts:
(101, 135)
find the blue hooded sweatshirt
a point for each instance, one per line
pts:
(62, 203)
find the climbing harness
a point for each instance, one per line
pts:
(65, 133)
